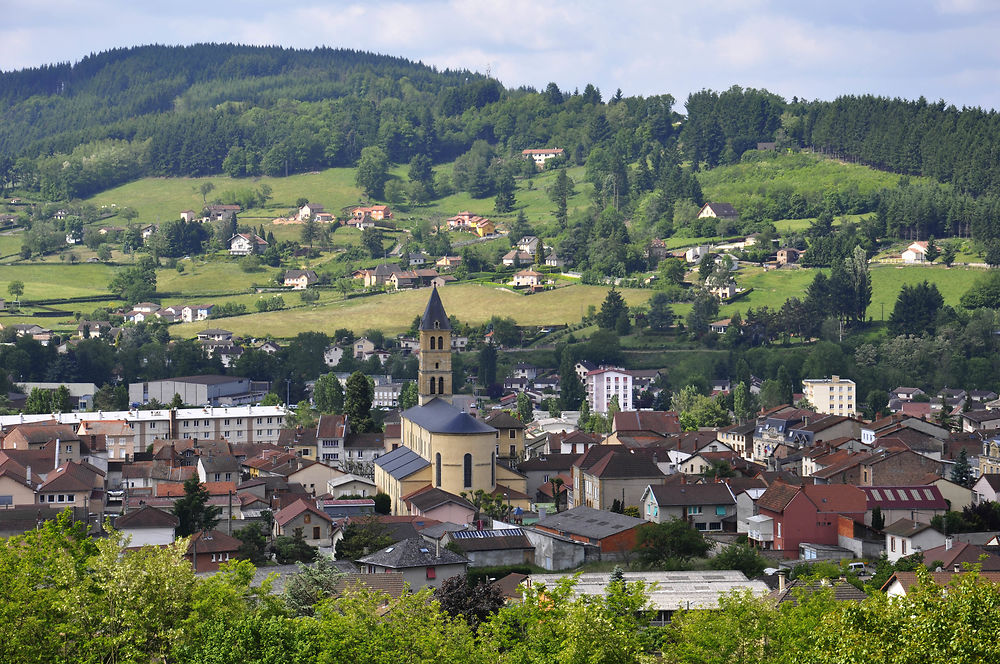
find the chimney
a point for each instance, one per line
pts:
(57, 453)
(27, 474)
(781, 580)
(948, 543)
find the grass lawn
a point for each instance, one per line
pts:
(393, 312)
(211, 277)
(773, 287)
(10, 243)
(52, 280)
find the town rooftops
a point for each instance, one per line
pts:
(300, 506)
(927, 497)
(842, 591)
(691, 494)
(439, 416)
(589, 522)
(413, 552)
(427, 498)
(490, 540)
(906, 528)
(147, 517)
(661, 422)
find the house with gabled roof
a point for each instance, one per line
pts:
(246, 244)
(148, 526)
(315, 524)
(300, 279)
(208, 549)
(484, 548)
(707, 507)
(805, 514)
(718, 210)
(422, 564)
(606, 473)
(906, 537)
(441, 505)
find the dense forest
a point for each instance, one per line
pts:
(69, 131)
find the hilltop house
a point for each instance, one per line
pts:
(300, 279)
(542, 155)
(245, 244)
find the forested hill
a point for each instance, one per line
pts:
(69, 131)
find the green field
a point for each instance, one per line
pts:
(160, 199)
(393, 312)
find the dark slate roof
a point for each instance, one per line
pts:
(434, 497)
(906, 528)
(434, 313)
(842, 591)
(147, 517)
(413, 552)
(439, 416)
(503, 420)
(589, 522)
(401, 462)
(543, 462)
(692, 494)
(391, 583)
(491, 540)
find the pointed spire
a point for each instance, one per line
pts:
(434, 316)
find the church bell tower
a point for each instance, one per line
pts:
(434, 381)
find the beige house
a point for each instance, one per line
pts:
(833, 396)
(317, 527)
(528, 278)
(17, 486)
(300, 279)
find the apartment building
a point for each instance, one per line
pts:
(833, 396)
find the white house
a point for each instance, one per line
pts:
(245, 244)
(906, 537)
(915, 253)
(332, 355)
(528, 278)
(695, 254)
(542, 155)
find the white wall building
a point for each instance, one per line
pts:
(604, 384)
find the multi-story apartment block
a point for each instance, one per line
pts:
(834, 395)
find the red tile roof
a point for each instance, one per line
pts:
(300, 506)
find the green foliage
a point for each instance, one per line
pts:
(328, 395)
(985, 293)
(311, 585)
(293, 549)
(612, 310)
(383, 503)
(373, 171)
(473, 602)
(193, 510)
(135, 283)
(961, 472)
(254, 540)
(740, 555)
(363, 536)
(670, 545)
(358, 396)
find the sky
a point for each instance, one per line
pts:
(938, 49)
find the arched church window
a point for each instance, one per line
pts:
(440, 385)
(440, 343)
(432, 385)
(437, 469)
(433, 340)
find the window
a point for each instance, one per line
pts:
(694, 509)
(69, 449)
(493, 469)
(513, 451)
(213, 557)
(720, 511)
(513, 434)
(467, 468)
(432, 385)
(892, 544)
(437, 469)
(903, 544)
(441, 385)
(431, 573)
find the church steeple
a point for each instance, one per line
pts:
(435, 352)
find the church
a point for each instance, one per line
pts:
(443, 448)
